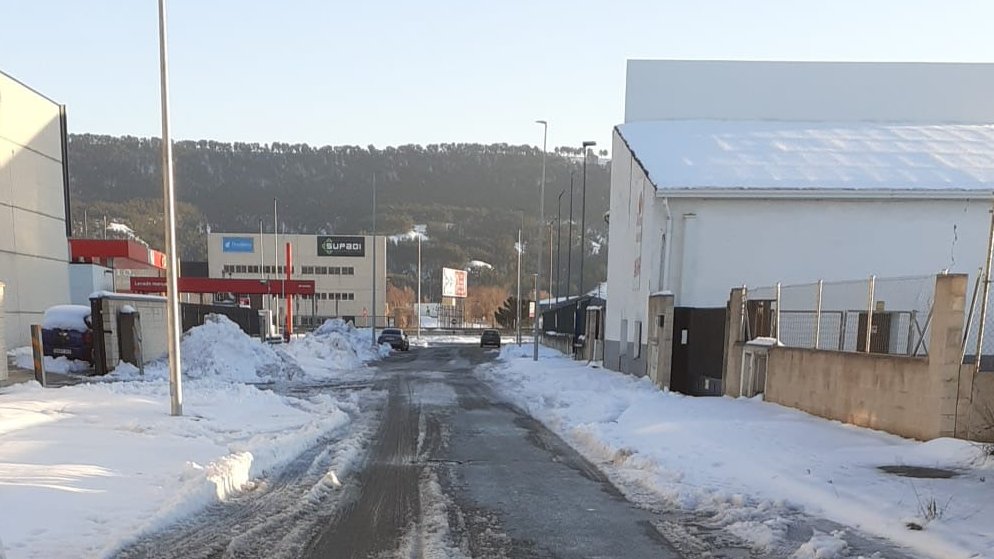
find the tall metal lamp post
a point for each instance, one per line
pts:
(559, 246)
(172, 258)
(541, 233)
(583, 234)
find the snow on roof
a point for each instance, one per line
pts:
(712, 154)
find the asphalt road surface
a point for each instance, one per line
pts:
(448, 470)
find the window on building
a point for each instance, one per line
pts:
(227, 269)
(351, 296)
(349, 271)
(240, 269)
(321, 270)
(253, 269)
(334, 271)
(307, 270)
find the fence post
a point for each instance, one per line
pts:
(776, 326)
(39, 354)
(818, 315)
(869, 314)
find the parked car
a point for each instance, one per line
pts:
(490, 338)
(395, 337)
(66, 331)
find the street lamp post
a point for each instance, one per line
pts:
(583, 214)
(569, 240)
(374, 261)
(173, 328)
(517, 310)
(541, 233)
(559, 247)
(418, 306)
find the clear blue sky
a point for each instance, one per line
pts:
(389, 73)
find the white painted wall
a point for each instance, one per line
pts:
(812, 91)
(757, 242)
(34, 253)
(84, 279)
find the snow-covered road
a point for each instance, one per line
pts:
(759, 470)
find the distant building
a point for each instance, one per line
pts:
(34, 207)
(341, 267)
(747, 173)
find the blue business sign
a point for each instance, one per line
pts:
(237, 244)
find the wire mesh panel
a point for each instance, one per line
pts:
(889, 314)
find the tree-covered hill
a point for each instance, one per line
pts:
(472, 197)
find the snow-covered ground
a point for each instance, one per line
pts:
(84, 469)
(748, 464)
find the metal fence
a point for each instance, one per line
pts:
(872, 315)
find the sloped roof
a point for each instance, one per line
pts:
(770, 155)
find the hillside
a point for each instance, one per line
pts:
(470, 195)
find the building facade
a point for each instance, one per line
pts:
(341, 267)
(750, 173)
(34, 206)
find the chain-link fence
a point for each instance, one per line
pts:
(876, 315)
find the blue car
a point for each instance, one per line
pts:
(66, 331)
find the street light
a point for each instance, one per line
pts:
(583, 232)
(517, 310)
(541, 224)
(569, 239)
(559, 247)
(173, 328)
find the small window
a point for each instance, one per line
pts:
(306, 270)
(350, 271)
(254, 269)
(321, 270)
(351, 296)
(334, 271)
(240, 269)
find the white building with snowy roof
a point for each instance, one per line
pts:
(748, 173)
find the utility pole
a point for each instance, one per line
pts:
(517, 310)
(541, 233)
(276, 268)
(262, 269)
(559, 247)
(583, 214)
(173, 328)
(373, 310)
(418, 306)
(569, 240)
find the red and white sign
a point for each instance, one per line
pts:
(531, 309)
(454, 283)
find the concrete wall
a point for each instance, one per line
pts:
(84, 279)
(809, 91)
(877, 391)
(659, 349)
(153, 320)
(34, 253)
(909, 396)
(3, 343)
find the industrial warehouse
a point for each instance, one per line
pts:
(341, 267)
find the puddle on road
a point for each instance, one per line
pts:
(920, 472)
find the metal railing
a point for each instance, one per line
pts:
(873, 315)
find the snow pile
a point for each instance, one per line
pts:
(24, 359)
(750, 466)
(219, 349)
(335, 346)
(88, 468)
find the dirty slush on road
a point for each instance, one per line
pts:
(444, 468)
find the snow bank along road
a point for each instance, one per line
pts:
(450, 469)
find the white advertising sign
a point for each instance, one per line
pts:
(454, 283)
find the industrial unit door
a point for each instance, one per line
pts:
(698, 350)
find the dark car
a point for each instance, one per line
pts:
(490, 338)
(66, 331)
(395, 337)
